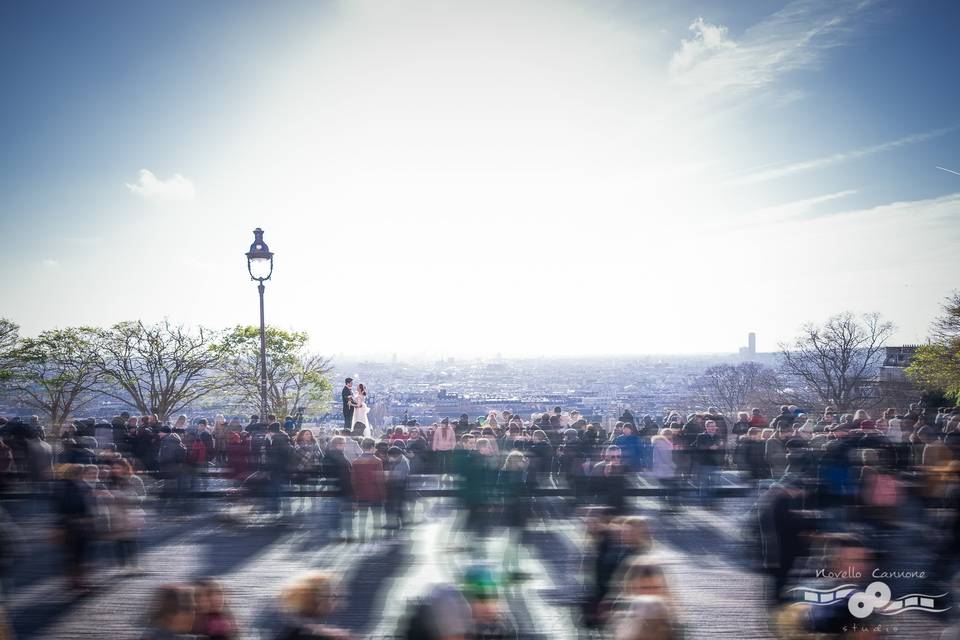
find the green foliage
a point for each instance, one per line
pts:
(937, 365)
(9, 334)
(295, 377)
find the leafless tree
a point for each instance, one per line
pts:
(732, 387)
(56, 373)
(836, 362)
(159, 368)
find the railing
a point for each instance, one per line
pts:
(313, 485)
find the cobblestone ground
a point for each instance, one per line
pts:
(706, 556)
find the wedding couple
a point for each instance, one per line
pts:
(355, 408)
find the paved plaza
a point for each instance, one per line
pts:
(705, 553)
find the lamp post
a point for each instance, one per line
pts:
(260, 267)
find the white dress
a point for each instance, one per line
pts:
(360, 412)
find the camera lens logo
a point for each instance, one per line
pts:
(876, 596)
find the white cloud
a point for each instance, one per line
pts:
(50, 263)
(793, 38)
(149, 186)
(708, 39)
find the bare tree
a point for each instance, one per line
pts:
(159, 368)
(295, 377)
(56, 372)
(836, 362)
(731, 387)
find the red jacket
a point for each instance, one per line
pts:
(367, 479)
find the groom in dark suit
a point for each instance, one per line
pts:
(347, 395)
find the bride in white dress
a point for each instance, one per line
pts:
(360, 410)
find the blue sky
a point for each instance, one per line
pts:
(453, 169)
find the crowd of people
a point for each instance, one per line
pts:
(832, 486)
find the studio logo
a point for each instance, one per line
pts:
(876, 598)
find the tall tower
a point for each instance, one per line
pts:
(752, 343)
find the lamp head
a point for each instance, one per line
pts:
(259, 258)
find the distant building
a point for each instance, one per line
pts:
(749, 352)
(893, 387)
(895, 361)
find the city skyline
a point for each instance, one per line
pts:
(557, 179)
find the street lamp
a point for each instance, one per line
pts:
(260, 267)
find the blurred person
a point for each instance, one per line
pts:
(369, 491)
(708, 448)
(441, 614)
(213, 619)
(757, 419)
(238, 455)
(127, 517)
(608, 481)
(416, 450)
(631, 447)
(663, 469)
(481, 588)
(11, 542)
(207, 438)
(74, 506)
(643, 618)
(195, 465)
(309, 461)
(782, 533)
(742, 425)
(603, 557)
(180, 424)
(444, 442)
(477, 467)
(281, 462)
(880, 490)
(220, 432)
(516, 487)
(339, 468)
(774, 449)
(351, 448)
(397, 472)
(539, 453)
(171, 458)
(306, 605)
(641, 576)
(848, 556)
(171, 614)
(784, 420)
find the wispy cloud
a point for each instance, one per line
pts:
(940, 210)
(800, 207)
(779, 171)
(50, 263)
(793, 38)
(149, 186)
